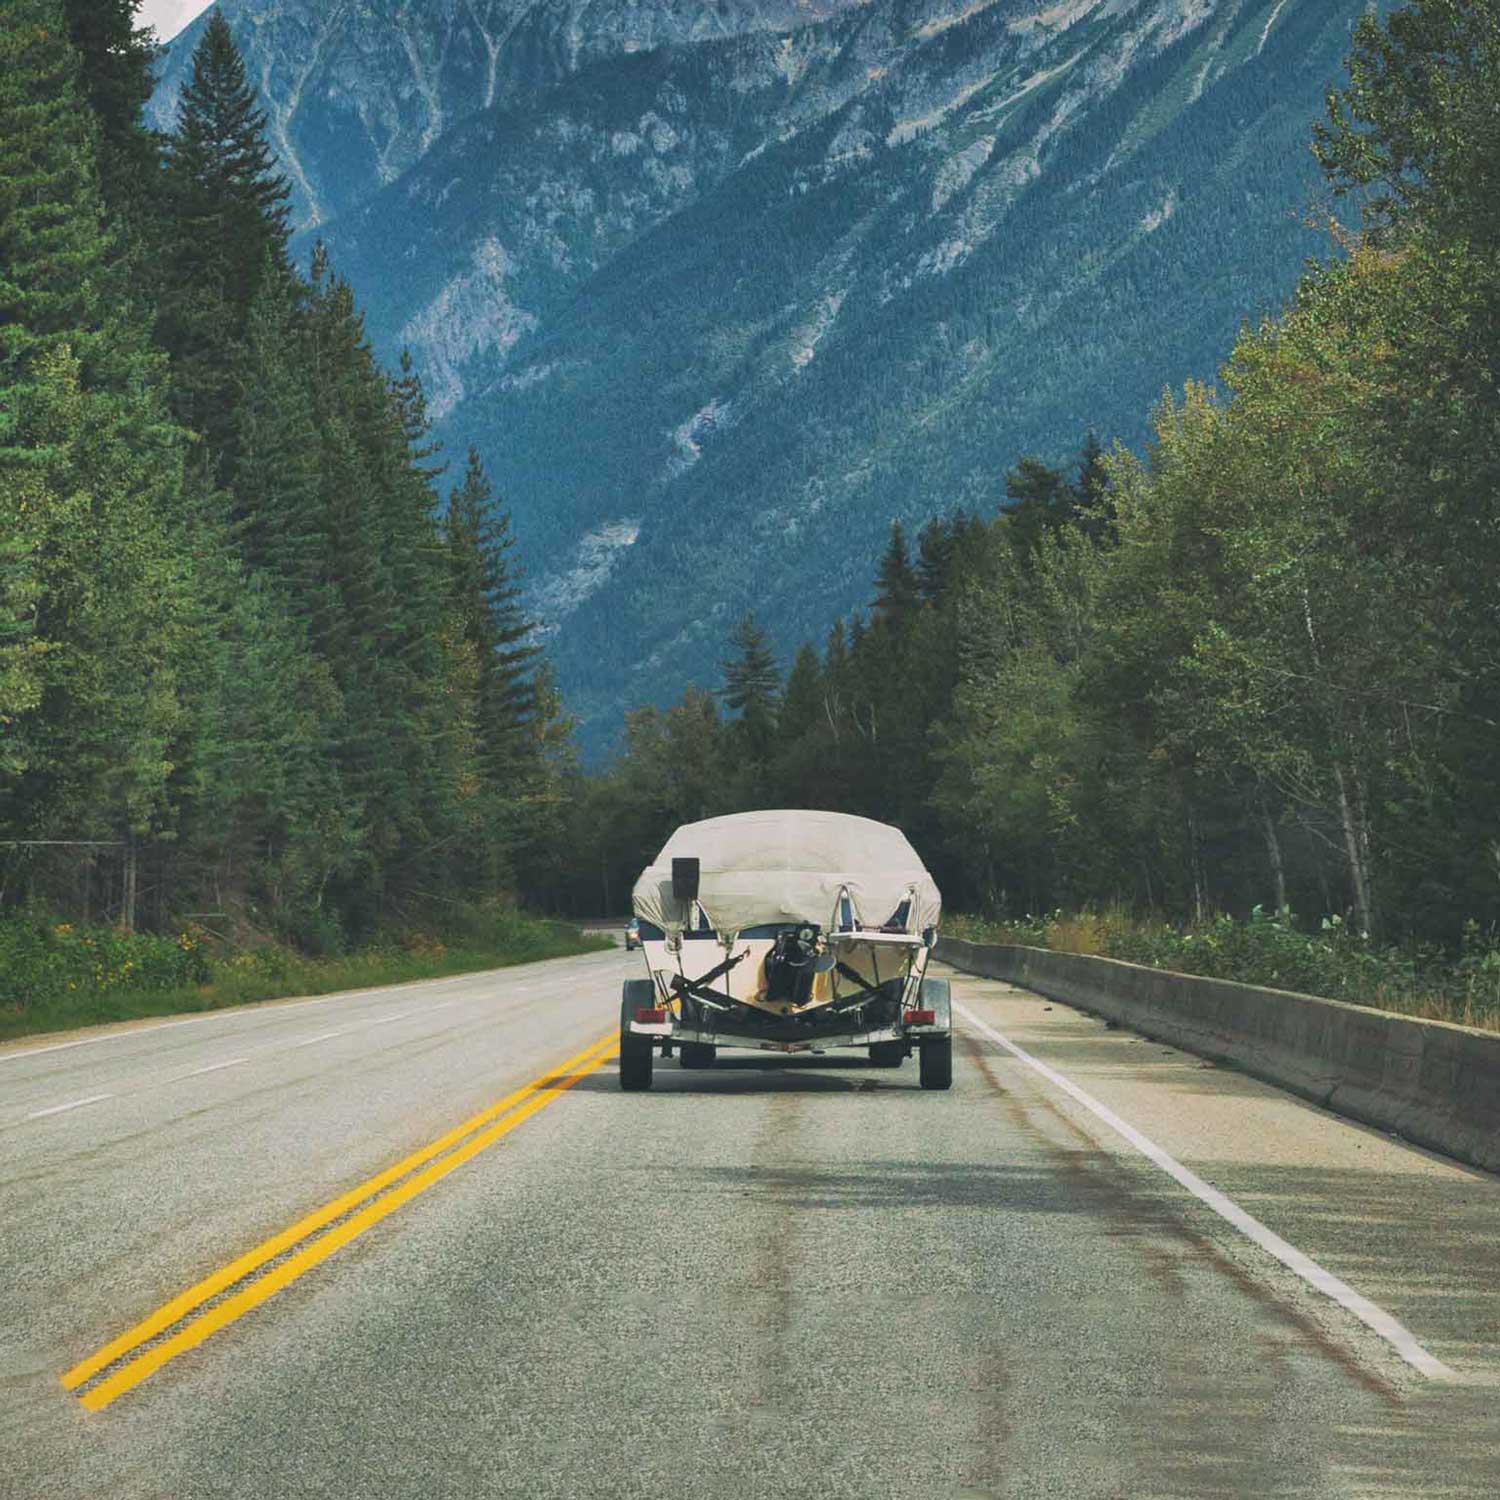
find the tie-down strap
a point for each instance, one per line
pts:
(702, 988)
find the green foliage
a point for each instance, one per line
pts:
(116, 59)
(1416, 126)
(1275, 952)
(51, 965)
(91, 493)
(226, 231)
(55, 975)
(248, 652)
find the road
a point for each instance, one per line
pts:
(808, 1280)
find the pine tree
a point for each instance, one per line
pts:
(276, 499)
(22, 499)
(935, 548)
(416, 426)
(117, 58)
(802, 702)
(1093, 508)
(751, 680)
(228, 231)
(895, 582)
(53, 250)
(1041, 501)
(90, 473)
(492, 620)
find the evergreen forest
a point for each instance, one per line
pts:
(263, 656)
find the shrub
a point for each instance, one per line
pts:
(1332, 961)
(44, 962)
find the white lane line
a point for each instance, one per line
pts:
(400, 1015)
(1373, 1317)
(58, 1109)
(232, 1062)
(322, 1036)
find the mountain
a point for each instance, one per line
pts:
(721, 289)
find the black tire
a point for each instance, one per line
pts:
(937, 1062)
(635, 1051)
(887, 1054)
(697, 1055)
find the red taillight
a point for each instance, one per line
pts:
(647, 1015)
(921, 1018)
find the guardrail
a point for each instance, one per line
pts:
(1430, 1082)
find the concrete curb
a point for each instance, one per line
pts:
(1428, 1081)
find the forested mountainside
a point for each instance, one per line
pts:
(355, 94)
(714, 283)
(1253, 664)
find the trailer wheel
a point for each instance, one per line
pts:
(887, 1054)
(635, 1051)
(937, 1063)
(697, 1054)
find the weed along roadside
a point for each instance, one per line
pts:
(58, 976)
(1414, 979)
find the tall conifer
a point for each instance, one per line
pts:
(117, 56)
(90, 471)
(488, 601)
(228, 231)
(896, 583)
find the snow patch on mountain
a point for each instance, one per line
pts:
(1175, 21)
(1271, 20)
(521, 380)
(1059, 17)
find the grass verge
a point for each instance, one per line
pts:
(58, 977)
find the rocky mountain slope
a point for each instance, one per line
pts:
(722, 288)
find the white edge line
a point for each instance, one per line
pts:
(57, 1109)
(1373, 1317)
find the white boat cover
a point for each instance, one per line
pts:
(790, 866)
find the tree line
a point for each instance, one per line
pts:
(1255, 664)
(260, 651)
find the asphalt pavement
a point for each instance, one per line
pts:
(415, 1242)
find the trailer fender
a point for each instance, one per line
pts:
(937, 996)
(641, 994)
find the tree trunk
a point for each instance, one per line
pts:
(1351, 819)
(1355, 845)
(127, 918)
(1195, 864)
(1273, 854)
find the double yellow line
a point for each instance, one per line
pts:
(140, 1351)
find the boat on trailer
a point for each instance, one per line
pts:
(788, 931)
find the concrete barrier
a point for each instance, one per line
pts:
(1430, 1082)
